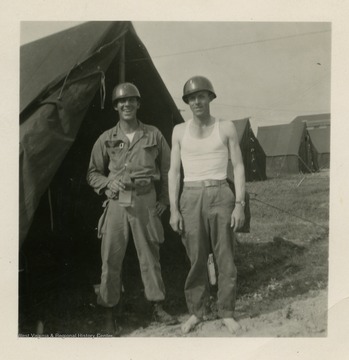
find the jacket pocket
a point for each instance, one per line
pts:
(150, 151)
(102, 222)
(114, 147)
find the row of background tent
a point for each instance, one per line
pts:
(302, 146)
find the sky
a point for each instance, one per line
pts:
(270, 72)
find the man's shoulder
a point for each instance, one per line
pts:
(107, 133)
(153, 131)
(225, 123)
(151, 128)
(227, 126)
(179, 127)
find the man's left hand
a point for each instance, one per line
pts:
(237, 218)
(160, 208)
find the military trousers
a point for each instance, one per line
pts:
(114, 226)
(206, 207)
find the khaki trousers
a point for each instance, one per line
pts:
(206, 211)
(147, 233)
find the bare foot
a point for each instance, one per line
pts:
(190, 324)
(232, 325)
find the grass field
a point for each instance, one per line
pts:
(303, 207)
(286, 252)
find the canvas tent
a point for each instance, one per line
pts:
(288, 148)
(66, 81)
(252, 153)
(319, 126)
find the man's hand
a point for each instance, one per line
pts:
(160, 208)
(110, 194)
(116, 186)
(237, 218)
(176, 221)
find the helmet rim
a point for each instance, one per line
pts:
(196, 84)
(125, 90)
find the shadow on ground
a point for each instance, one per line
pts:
(57, 297)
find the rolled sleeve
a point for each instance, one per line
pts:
(98, 168)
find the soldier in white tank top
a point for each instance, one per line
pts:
(208, 213)
(204, 158)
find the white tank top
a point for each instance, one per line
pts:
(204, 159)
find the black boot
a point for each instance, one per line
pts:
(111, 326)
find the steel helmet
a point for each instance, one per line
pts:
(195, 84)
(125, 90)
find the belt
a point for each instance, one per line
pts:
(139, 182)
(204, 183)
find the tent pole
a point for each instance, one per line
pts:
(122, 61)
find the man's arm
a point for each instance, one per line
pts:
(98, 170)
(164, 165)
(174, 175)
(96, 174)
(229, 131)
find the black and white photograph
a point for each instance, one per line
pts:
(178, 187)
(130, 224)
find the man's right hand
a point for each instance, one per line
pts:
(110, 194)
(116, 185)
(176, 221)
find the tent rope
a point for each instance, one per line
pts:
(96, 53)
(101, 89)
(299, 158)
(65, 81)
(287, 212)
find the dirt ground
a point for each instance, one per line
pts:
(302, 316)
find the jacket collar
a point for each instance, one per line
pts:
(118, 134)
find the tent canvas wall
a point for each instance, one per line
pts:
(320, 138)
(65, 85)
(288, 148)
(252, 153)
(319, 126)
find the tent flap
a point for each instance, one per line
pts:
(252, 153)
(44, 141)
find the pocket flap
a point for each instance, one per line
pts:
(110, 144)
(150, 144)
